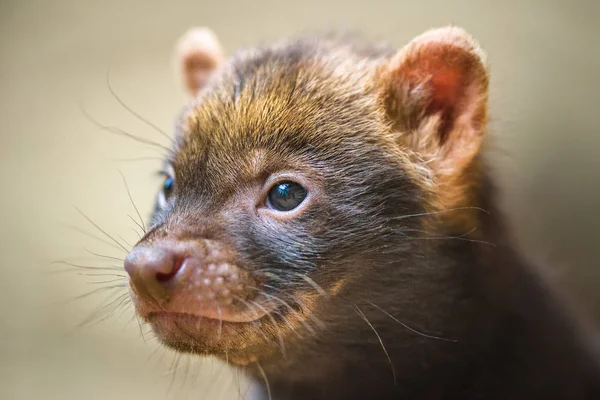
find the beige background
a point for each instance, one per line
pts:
(54, 56)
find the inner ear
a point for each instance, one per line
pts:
(448, 87)
(436, 89)
(199, 53)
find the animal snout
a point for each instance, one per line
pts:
(192, 277)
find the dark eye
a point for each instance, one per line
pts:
(286, 196)
(168, 186)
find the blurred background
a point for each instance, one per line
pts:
(54, 57)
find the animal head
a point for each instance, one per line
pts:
(294, 176)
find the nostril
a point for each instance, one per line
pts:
(149, 267)
(176, 266)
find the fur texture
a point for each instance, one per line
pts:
(381, 286)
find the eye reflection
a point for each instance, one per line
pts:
(285, 196)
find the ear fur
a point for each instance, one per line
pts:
(199, 53)
(435, 92)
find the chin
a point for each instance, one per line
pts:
(239, 343)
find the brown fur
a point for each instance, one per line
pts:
(387, 297)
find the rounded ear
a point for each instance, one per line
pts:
(199, 53)
(435, 92)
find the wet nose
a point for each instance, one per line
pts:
(151, 268)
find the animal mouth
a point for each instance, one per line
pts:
(205, 335)
(202, 319)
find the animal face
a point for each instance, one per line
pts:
(290, 183)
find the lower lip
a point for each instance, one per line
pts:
(190, 320)
(192, 330)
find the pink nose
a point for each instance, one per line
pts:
(151, 268)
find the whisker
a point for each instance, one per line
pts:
(290, 308)
(125, 241)
(287, 321)
(90, 320)
(304, 277)
(92, 274)
(173, 370)
(134, 230)
(186, 372)
(125, 106)
(313, 284)
(215, 377)
(239, 386)
(253, 310)
(221, 371)
(310, 315)
(362, 315)
(423, 214)
(115, 130)
(409, 328)
(442, 237)
(137, 224)
(225, 387)
(290, 325)
(103, 256)
(220, 329)
(89, 234)
(320, 324)
(109, 268)
(266, 380)
(198, 374)
(162, 356)
(151, 355)
(109, 281)
(275, 327)
(143, 227)
(99, 290)
(124, 306)
(101, 230)
(135, 315)
(244, 302)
